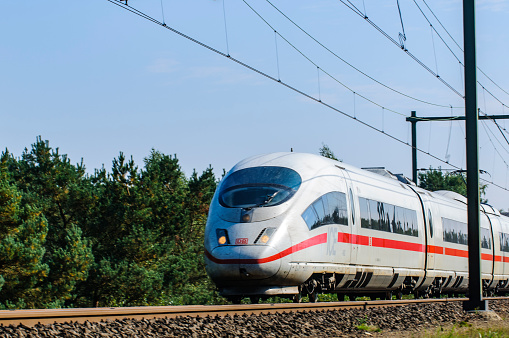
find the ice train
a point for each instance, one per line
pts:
(294, 224)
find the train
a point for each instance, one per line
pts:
(297, 225)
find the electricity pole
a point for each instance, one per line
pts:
(475, 301)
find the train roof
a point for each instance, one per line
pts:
(308, 164)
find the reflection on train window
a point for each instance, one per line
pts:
(485, 238)
(328, 209)
(259, 187)
(504, 242)
(387, 217)
(455, 231)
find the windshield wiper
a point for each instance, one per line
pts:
(267, 201)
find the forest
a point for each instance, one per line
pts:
(127, 236)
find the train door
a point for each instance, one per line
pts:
(487, 254)
(353, 216)
(429, 218)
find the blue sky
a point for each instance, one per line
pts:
(95, 80)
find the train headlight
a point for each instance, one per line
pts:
(264, 236)
(222, 237)
(246, 216)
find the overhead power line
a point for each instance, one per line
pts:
(149, 18)
(352, 66)
(454, 54)
(445, 29)
(422, 64)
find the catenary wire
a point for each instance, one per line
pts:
(352, 66)
(422, 64)
(438, 20)
(498, 126)
(454, 54)
(147, 17)
(313, 63)
(491, 141)
(358, 12)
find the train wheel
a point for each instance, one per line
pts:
(313, 297)
(297, 298)
(399, 295)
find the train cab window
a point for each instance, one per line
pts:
(259, 187)
(455, 231)
(328, 209)
(485, 238)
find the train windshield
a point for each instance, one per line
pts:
(259, 187)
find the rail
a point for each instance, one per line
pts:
(49, 316)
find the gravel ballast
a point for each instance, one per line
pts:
(337, 323)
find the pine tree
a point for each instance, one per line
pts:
(61, 191)
(23, 231)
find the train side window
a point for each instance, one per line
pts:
(337, 209)
(387, 217)
(414, 227)
(311, 218)
(455, 231)
(430, 222)
(399, 224)
(374, 211)
(318, 205)
(331, 208)
(504, 242)
(364, 209)
(485, 238)
(386, 212)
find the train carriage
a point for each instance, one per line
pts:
(292, 224)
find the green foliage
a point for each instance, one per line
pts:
(465, 329)
(364, 326)
(122, 238)
(325, 151)
(23, 230)
(435, 179)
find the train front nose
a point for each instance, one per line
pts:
(243, 262)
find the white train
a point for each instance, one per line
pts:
(292, 224)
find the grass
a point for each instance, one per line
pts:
(363, 325)
(467, 330)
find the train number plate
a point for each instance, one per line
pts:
(241, 241)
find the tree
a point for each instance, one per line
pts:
(325, 151)
(60, 191)
(121, 238)
(23, 231)
(148, 235)
(435, 179)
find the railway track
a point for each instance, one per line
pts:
(30, 318)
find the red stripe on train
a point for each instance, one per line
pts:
(359, 240)
(379, 242)
(319, 239)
